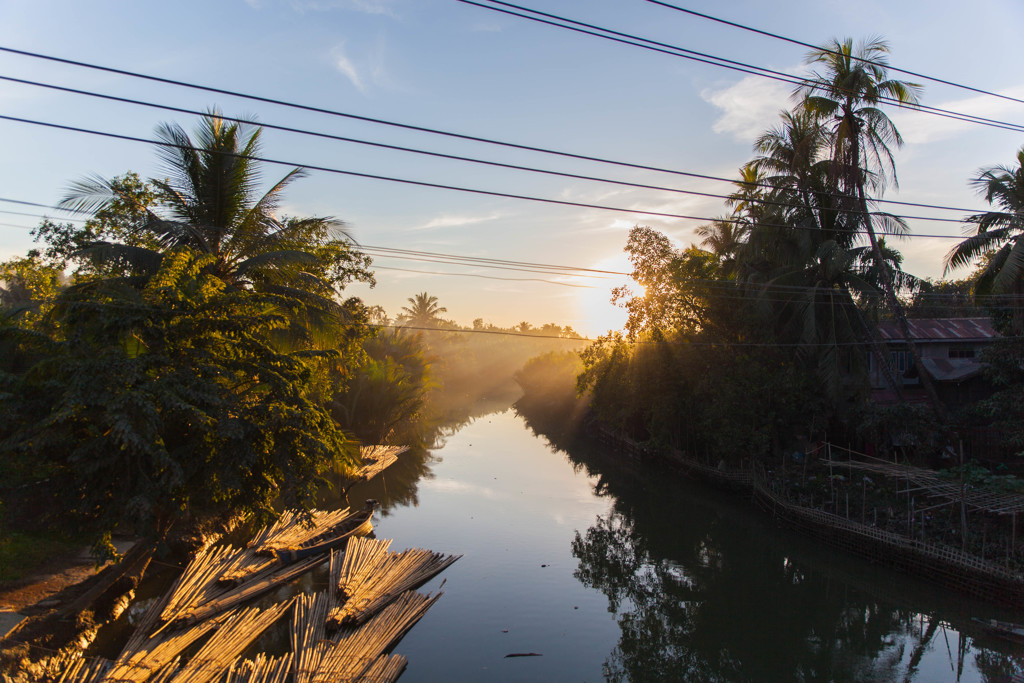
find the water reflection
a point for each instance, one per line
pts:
(398, 486)
(706, 589)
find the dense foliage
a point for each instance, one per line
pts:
(172, 360)
(167, 402)
(760, 339)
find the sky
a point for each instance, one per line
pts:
(451, 66)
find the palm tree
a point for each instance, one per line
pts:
(211, 203)
(998, 232)
(423, 311)
(846, 97)
(723, 238)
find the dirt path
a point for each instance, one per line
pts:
(38, 593)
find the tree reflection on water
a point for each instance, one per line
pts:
(705, 588)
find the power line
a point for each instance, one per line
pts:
(441, 186)
(422, 129)
(693, 55)
(481, 259)
(811, 46)
(506, 333)
(440, 155)
(425, 259)
(486, 277)
(22, 213)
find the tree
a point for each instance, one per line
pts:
(28, 284)
(676, 284)
(388, 388)
(997, 244)
(423, 311)
(117, 221)
(168, 404)
(211, 202)
(846, 97)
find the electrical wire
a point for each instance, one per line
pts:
(811, 46)
(505, 333)
(442, 186)
(441, 155)
(487, 277)
(693, 55)
(422, 129)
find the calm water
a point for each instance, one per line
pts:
(612, 575)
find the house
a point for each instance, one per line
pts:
(950, 350)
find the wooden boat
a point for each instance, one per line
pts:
(1002, 629)
(358, 524)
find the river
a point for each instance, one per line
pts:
(610, 574)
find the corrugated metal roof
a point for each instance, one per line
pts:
(941, 329)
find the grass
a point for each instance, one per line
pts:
(23, 554)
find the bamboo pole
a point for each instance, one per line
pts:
(356, 651)
(370, 577)
(239, 630)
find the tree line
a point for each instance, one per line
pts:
(760, 338)
(187, 355)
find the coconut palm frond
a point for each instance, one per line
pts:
(275, 259)
(135, 259)
(1011, 271)
(88, 195)
(973, 248)
(889, 224)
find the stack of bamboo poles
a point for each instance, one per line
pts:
(289, 532)
(139, 662)
(166, 673)
(308, 636)
(222, 577)
(376, 459)
(239, 630)
(353, 654)
(292, 530)
(370, 595)
(369, 577)
(84, 671)
(385, 670)
(262, 669)
(357, 651)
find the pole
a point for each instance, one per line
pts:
(963, 502)
(863, 501)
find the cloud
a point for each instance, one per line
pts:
(747, 105)
(373, 7)
(381, 7)
(454, 221)
(460, 487)
(347, 67)
(920, 127)
(485, 27)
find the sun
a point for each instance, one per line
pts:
(597, 313)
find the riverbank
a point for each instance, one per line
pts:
(946, 566)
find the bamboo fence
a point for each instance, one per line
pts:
(948, 566)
